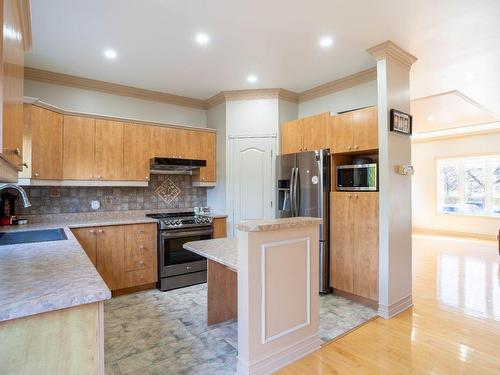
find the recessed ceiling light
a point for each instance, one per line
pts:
(430, 118)
(202, 39)
(325, 42)
(252, 78)
(110, 54)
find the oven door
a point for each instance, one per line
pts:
(174, 259)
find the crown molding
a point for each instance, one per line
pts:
(110, 88)
(25, 14)
(252, 94)
(390, 50)
(352, 80)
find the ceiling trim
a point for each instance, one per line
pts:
(252, 94)
(110, 88)
(352, 80)
(389, 49)
(25, 15)
(465, 131)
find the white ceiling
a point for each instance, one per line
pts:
(457, 43)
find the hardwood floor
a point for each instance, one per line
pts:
(453, 328)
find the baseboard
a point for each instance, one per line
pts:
(281, 359)
(447, 233)
(388, 312)
(353, 297)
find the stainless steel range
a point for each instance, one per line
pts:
(178, 267)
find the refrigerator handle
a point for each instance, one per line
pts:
(296, 191)
(292, 194)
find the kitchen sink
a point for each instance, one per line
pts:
(31, 236)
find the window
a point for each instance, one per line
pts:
(469, 186)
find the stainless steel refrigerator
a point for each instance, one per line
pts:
(303, 189)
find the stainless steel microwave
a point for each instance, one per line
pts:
(357, 177)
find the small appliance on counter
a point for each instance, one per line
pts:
(202, 210)
(8, 208)
(360, 175)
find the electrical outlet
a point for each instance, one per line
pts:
(95, 205)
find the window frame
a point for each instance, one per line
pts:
(461, 161)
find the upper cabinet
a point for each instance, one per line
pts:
(46, 144)
(78, 148)
(82, 148)
(307, 134)
(354, 131)
(137, 151)
(15, 20)
(108, 150)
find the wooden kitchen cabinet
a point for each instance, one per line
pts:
(87, 237)
(220, 227)
(306, 134)
(125, 255)
(354, 243)
(46, 144)
(78, 148)
(354, 131)
(137, 152)
(140, 262)
(206, 152)
(163, 141)
(108, 154)
(291, 137)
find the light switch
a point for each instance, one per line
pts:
(95, 205)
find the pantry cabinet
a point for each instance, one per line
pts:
(354, 243)
(46, 144)
(306, 134)
(125, 255)
(354, 131)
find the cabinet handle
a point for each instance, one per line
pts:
(16, 151)
(101, 230)
(36, 174)
(348, 147)
(25, 165)
(141, 262)
(356, 196)
(146, 178)
(349, 196)
(99, 177)
(355, 147)
(92, 231)
(91, 177)
(141, 247)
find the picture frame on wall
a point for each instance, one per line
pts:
(401, 122)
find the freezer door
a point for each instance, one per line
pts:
(313, 179)
(285, 173)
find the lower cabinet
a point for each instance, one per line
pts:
(220, 227)
(354, 243)
(125, 255)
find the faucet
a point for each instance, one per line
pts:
(22, 192)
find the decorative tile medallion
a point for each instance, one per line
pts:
(168, 191)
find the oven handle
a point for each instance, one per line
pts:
(186, 233)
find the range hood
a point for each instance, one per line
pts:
(175, 165)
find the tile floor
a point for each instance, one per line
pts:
(153, 332)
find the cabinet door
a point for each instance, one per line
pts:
(46, 144)
(291, 137)
(220, 228)
(315, 132)
(108, 150)
(12, 83)
(365, 129)
(365, 206)
(140, 263)
(78, 148)
(137, 152)
(87, 238)
(341, 133)
(182, 147)
(163, 141)
(208, 153)
(110, 255)
(341, 238)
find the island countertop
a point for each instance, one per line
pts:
(47, 276)
(220, 250)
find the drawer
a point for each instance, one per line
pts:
(140, 277)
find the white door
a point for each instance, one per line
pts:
(251, 179)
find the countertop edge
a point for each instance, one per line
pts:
(277, 224)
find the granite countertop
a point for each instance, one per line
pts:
(46, 276)
(215, 215)
(277, 224)
(220, 250)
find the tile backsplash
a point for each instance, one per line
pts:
(163, 192)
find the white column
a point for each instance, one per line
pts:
(395, 276)
(278, 296)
